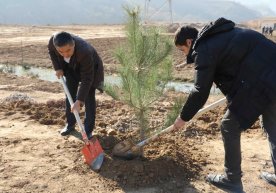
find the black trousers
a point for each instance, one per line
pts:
(72, 82)
(231, 133)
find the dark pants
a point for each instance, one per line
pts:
(231, 133)
(72, 82)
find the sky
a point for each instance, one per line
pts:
(269, 3)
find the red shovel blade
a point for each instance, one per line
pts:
(93, 154)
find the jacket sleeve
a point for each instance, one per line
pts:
(204, 73)
(87, 72)
(54, 57)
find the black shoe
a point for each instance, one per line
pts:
(269, 178)
(89, 136)
(222, 182)
(67, 130)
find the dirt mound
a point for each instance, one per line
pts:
(167, 162)
(51, 113)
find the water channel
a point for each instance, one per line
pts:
(49, 75)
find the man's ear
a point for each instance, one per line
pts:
(189, 42)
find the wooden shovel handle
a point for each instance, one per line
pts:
(170, 128)
(84, 136)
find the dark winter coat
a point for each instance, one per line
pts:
(85, 62)
(241, 62)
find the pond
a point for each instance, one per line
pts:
(49, 75)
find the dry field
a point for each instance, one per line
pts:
(35, 158)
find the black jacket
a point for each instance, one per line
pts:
(241, 62)
(85, 62)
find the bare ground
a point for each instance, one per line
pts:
(35, 158)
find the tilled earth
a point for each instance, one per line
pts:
(35, 158)
(27, 46)
(171, 160)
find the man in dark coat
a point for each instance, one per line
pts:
(79, 62)
(242, 63)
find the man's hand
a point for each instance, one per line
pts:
(179, 123)
(76, 106)
(59, 73)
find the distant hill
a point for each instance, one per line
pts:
(206, 10)
(60, 12)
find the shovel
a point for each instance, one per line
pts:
(128, 150)
(92, 150)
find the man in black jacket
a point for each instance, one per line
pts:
(242, 63)
(79, 62)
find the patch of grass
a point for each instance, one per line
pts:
(26, 66)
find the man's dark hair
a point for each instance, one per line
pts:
(62, 39)
(184, 33)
